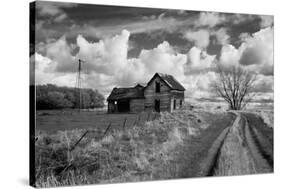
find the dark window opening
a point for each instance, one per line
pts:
(157, 105)
(180, 103)
(123, 105)
(157, 87)
(175, 104)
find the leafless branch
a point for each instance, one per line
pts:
(234, 86)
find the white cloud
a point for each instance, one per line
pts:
(53, 9)
(229, 56)
(145, 25)
(199, 73)
(263, 84)
(209, 19)
(258, 52)
(45, 72)
(255, 53)
(221, 36)
(266, 21)
(163, 59)
(198, 86)
(60, 18)
(198, 61)
(108, 65)
(108, 56)
(200, 37)
(60, 52)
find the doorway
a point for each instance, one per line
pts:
(157, 105)
(123, 105)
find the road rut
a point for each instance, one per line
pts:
(244, 150)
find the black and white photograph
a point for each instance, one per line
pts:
(124, 94)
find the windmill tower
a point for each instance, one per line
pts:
(78, 84)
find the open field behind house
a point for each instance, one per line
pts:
(52, 121)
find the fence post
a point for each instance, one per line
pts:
(155, 115)
(124, 123)
(78, 141)
(139, 118)
(135, 123)
(107, 129)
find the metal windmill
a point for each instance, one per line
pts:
(78, 85)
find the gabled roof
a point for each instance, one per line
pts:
(169, 80)
(126, 93)
(138, 90)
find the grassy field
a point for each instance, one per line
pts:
(52, 121)
(150, 147)
(168, 147)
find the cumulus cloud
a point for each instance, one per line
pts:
(255, 53)
(229, 56)
(209, 19)
(198, 61)
(45, 72)
(258, 52)
(53, 9)
(163, 59)
(263, 84)
(198, 85)
(144, 25)
(107, 56)
(60, 53)
(107, 64)
(199, 73)
(60, 18)
(201, 38)
(266, 21)
(221, 36)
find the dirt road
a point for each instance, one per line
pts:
(245, 147)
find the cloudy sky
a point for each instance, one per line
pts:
(123, 46)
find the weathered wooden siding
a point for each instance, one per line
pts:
(136, 105)
(150, 96)
(166, 99)
(176, 97)
(111, 107)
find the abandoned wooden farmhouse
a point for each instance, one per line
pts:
(162, 93)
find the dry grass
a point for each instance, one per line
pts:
(166, 148)
(142, 152)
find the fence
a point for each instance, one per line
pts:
(150, 117)
(137, 122)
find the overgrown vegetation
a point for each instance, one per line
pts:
(147, 151)
(54, 97)
(171, 146)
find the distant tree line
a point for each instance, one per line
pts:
(50, 96)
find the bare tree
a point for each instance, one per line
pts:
(235, 86)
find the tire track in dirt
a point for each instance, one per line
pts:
(239, 150)
(235, 157)
(259, 148)
(209, 163)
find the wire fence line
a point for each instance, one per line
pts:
(99, 134)
(151, 117)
